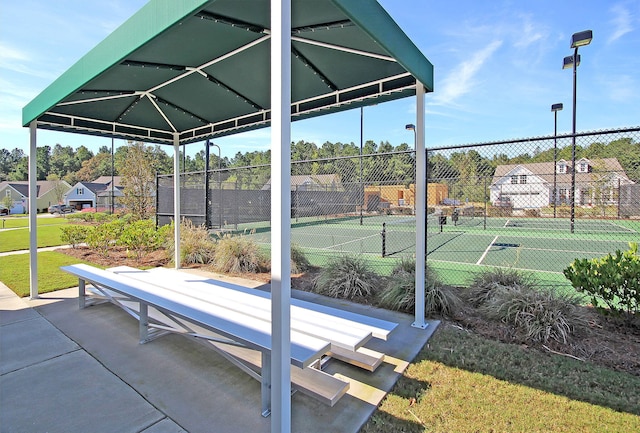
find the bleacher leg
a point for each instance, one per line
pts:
(265, 387)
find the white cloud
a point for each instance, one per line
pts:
(461, 80)
(10, 54)
(622, 22)
(528, 34)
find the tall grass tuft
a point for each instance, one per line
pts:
(485, 284)
(346, 277)
(238, 254)
(299, 262)
(196, 246)
(540, 315)
(399, 291)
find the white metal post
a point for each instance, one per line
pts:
(280, 216)
(421, 183)
(176, 200)
(33, 212)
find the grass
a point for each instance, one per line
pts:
(23, 222)
(14, 272)
(15, 240)
(461, 382)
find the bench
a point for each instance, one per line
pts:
(346, 331)
(235, 321)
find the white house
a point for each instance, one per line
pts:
(531, 186)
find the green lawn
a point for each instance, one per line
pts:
(15, 240)
(14, 272)
(461, 383)
(18, 222)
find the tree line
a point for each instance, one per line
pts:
(74, 165)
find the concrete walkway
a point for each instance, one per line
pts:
(68, 370)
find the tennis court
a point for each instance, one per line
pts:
(544, 246)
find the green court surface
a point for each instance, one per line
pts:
(542, 245)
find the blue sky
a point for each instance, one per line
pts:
(498, 69)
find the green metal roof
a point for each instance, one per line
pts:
(201, 68)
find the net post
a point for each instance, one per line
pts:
(384, 239)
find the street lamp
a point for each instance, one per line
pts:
(555, 108)
(579, 39)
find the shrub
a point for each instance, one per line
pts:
(104, 236)
(299, 262)
(540, 315)
(82, 216)
(346, 277)
(613, 280)
(485, 284)
(140, 236)
(237, 254)
(399, 291)
(532, 213)
(196, 246)
(73, 234)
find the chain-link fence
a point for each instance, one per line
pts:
(531, 204)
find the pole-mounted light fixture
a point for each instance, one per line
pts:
(555, 108)
(579, 39)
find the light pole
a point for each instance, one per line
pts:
(579, 39)
(555, 108)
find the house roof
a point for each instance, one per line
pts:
(117, 180)
(42, 186)
(198, 69)
(545, 170)
(94, 187)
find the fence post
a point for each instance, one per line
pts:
(207, 198)
(486, 199)
(157, 198)
(618, 198)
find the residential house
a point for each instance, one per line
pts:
(95, 195)
(48, 192)
(531, 186)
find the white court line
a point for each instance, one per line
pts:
(506, 224)
(486, 251)
(622, 227)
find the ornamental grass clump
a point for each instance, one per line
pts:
(346, 277)
(238, 254)
(399, 291)
(196, 246)
(299, 262)
(485, 284)
(539, 315)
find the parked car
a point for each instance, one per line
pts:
(502, 201)
(4, 210)
(60, 208)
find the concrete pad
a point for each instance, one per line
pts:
(29, 342)
(71, 393)
(15, 310)
(165, 426)
(203, 392)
